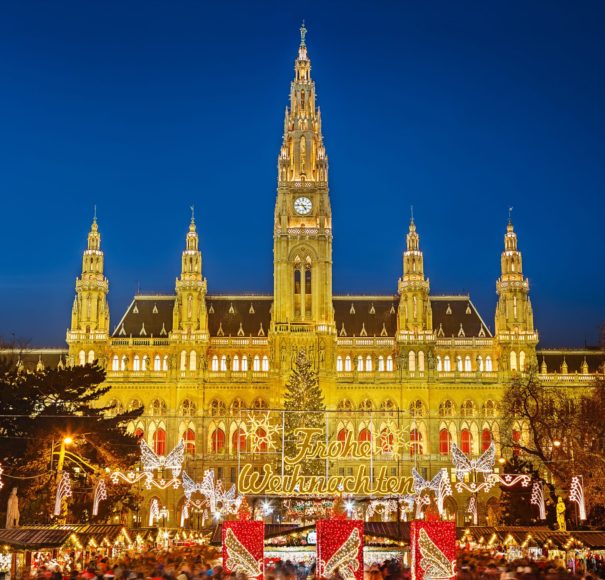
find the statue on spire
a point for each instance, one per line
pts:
(303, 33)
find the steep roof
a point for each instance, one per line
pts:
(457, 316)
(146, 316)
(574, 358)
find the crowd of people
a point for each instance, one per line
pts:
(204, 563)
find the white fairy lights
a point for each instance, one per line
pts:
(537, 498)
(576, 494)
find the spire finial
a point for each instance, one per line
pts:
(94, 213)
(192, 208)
(303, 33)
(411, 214)
(509, 227)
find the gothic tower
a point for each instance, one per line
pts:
(302, 248)
(90, 312)
(415, 315)
(514, 315)
(190, 319)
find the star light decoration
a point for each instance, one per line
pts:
(260, 432)
(100, 495)
(576, 494)
(537, 498)
(63, 491)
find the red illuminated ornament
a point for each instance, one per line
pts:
(433, 546)
(340, 548)
(244, 548)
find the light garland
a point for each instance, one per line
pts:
(173, 461)
(185, 513)
(1, 482)
(100, 495)
(133, 477)
(576, 494)
(420, 502)
(510, 479)
(260, 432)
(483, 464)
(154, 511)
(472, 508)
(63, 491)
(444, 490)
(537, 498)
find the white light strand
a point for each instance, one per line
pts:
(407, 505)
(132, 477)
(185, 513)
(154, 511)
(63, 491)
(510, 479)
(576, 494)
(100, 495)
(537, 498)
(1, 482)
(472, 508)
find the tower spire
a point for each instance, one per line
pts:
(303, 34)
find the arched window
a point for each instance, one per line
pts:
(417, 408)
(217, 408)
(183, 360)
(115, 363)
(217, 440)
(345, 405)
(459, 363)
(157, 408)
(188, 408)
(513, 360)
(359, 364)
(348, 363)
(224, 362)
(116, 410)
(192, 361)
(157, 363)
(338, 364)
(412, 361)
(489, 409)
(145, 363)
(368, 364)
(521, 361)
(256, 363)
(159, 441)
(389, 407)
(238, 441)
(380, 364)
(134, 404)
(486, 439)
(447, 366)
(189, 439)
(366, 406)
(488, 364)
(91, 356)
(165, 363)
(136, 363)
(446, 408)
(235, 363)
(259, 404)
(214, 363)
(139, 433)
(416, 447)
(466, 440)
(480, 363)
(265, 363)
(445, 441)
(439, 364)
(421, 361)
(342, 435)
(467, 409)
(386, 441)
(244, 363)
(82, 358)
(389, 363)
(365, 435)
(236, 406)
(467, 363)
(124, 363)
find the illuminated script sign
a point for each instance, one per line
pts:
(309, 448)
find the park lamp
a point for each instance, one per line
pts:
(68, 440)
(501, 461)
(556, 443)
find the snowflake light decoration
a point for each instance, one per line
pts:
(63, 491)
(576, 494)
(260, 432)
(100, 495)
(537, 498)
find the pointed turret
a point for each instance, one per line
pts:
(190, 317)
(415, 313)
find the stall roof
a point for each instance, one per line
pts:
(34, 538)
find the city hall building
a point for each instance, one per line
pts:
(202, 363)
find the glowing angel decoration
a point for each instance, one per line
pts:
(345, 559)
(484, 464)
(205, 487)
(173, 461)
(239, 559)
(421, 484)
(433, 561)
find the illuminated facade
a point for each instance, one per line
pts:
(198, 361)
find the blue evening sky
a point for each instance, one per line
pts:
(459, 108)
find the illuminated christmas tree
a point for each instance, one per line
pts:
(305, 408)
(244, 513)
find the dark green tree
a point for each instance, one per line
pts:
(38, 410)
(305, 408)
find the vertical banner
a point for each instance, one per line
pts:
(340, 547)
(433, 546)
(244, 548)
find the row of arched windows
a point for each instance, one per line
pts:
(517, 362)
(83, 358)
(237, 363)
(139, 363)
(464, 364)
(468, 408)
(365, 363)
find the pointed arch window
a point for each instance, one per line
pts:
(244, 363)
(214, 363)
(368, 364)
(389, 363)
(466, 440)
(365, 435)
(348, 363)
(91, 356)
(189, 439)
(145, 363)
(82, 358)
(447, 366)
(165, 363)
(412, 361)
(359, 364)
(416, 447)
(446, 408)
(157, 363)
(459, 363)
(183, 360)
(522, 361)
(265, 363)
(238, 441)
(516, 441)
(256, 363)
(235, 364)
(421, 361)
(159, 441)
(380, 364)
(486, 439)
(342, 435)
(136, 363)
(115, 363)
(467, 363)
(488, 364)
(217, 441)
(513, 360)
(192, 361)
(445, 441)
(224, 363)
(339, 364)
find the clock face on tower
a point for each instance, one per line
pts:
(302, 206)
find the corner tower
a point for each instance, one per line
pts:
(302, 248)
(514, 321)
(89, 330)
